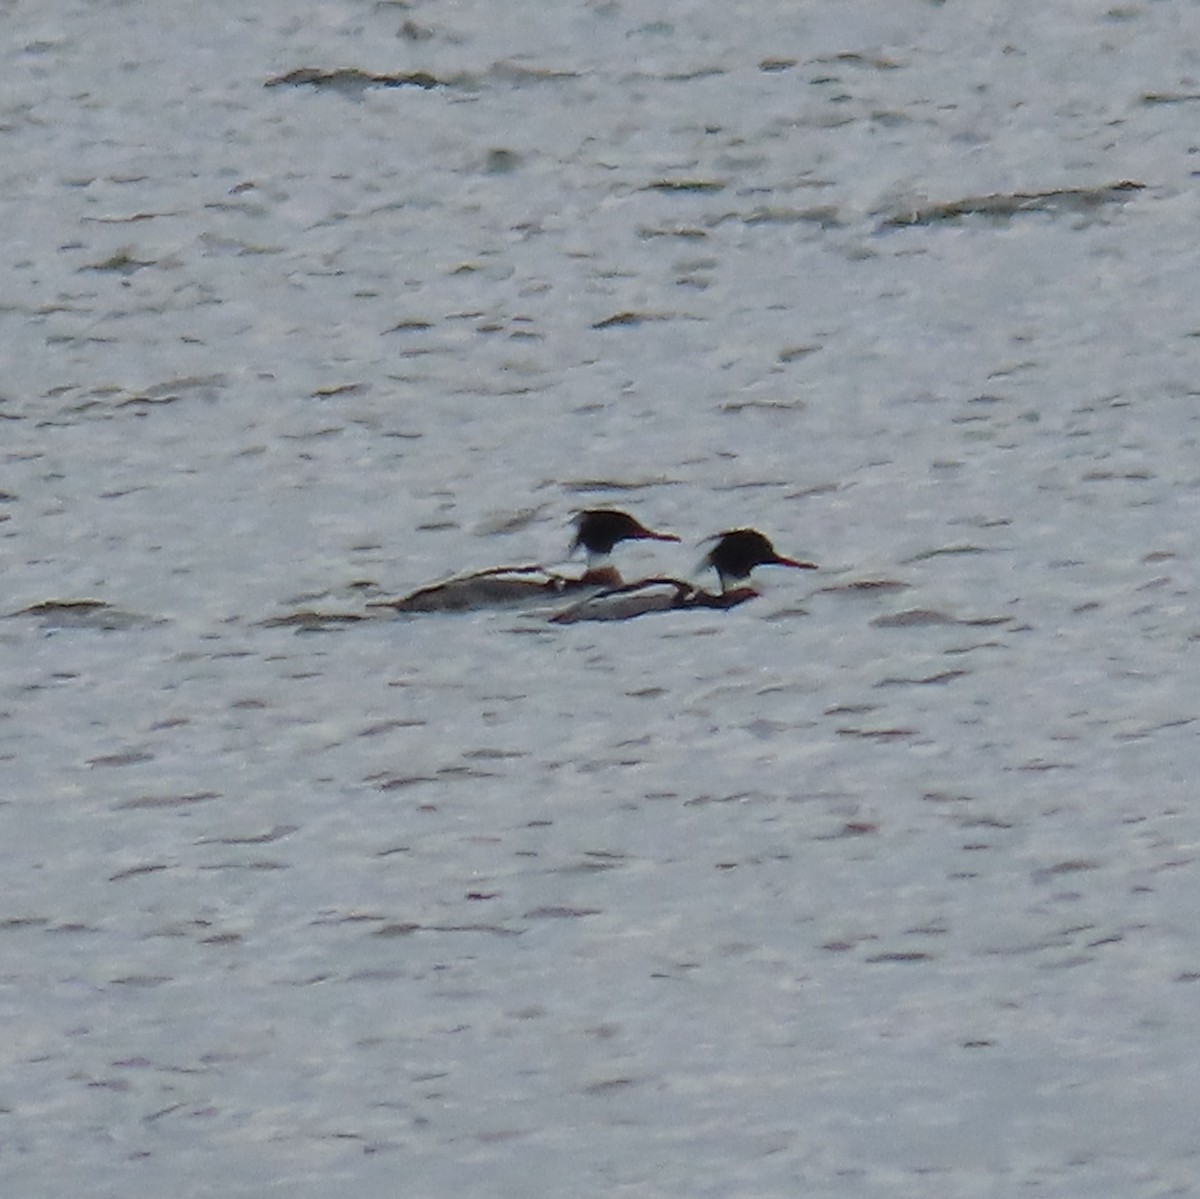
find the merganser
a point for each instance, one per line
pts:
(734, 555)
(597, 531)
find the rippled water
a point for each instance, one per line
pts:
(882, 882)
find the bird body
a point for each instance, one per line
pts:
(734, 555)
(597, 531)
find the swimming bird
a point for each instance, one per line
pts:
(734, 555)
(597, 532)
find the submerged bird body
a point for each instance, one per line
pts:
(496, 588)
(597, 531)
(734, 555)
(646, 596)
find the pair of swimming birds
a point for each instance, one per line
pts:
(599, 592)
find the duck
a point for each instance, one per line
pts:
(734, 556)
(598, 531)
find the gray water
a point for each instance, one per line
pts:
(882, 884)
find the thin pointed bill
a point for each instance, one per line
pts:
(651, 535)
(780, 560)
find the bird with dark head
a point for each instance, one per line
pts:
(599, 530)
(738, 551)
(734, 555)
